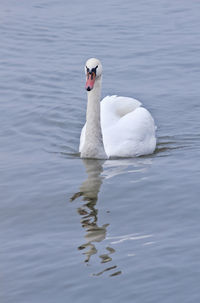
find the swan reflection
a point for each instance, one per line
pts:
(89, 214)
(97, 171)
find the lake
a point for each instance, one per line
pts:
(123, 230)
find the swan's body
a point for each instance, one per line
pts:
(116, 126)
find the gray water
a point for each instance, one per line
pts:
(125, 230)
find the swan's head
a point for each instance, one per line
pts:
(93, 70)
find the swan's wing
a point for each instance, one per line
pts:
(132, 135)
(115, 107)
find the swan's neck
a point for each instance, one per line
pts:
(93, 145)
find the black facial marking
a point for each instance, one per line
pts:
(93, 70)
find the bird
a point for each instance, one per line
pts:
(116, 126)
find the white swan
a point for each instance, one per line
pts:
(116, 126)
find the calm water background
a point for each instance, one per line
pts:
(87, 231)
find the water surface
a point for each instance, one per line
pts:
(124, 230)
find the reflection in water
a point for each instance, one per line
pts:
(89, 214)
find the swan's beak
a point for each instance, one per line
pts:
(90, 81)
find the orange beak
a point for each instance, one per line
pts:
(90, 81)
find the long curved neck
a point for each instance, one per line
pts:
(93, 144)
